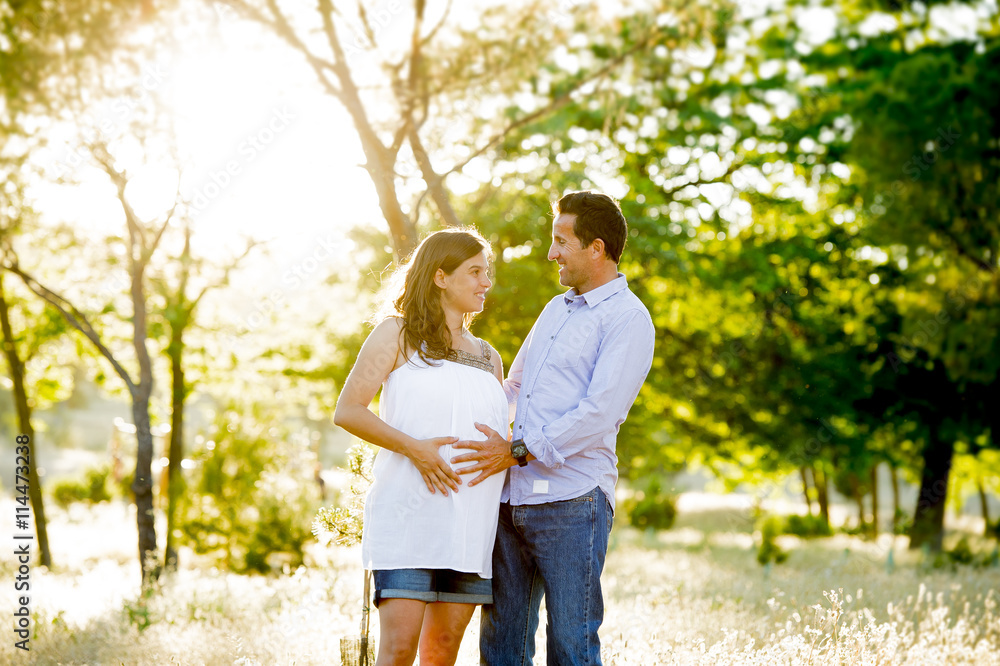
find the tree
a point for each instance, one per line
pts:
(746, 325)
(21, 402)
(179, 315)
(142, 241)
(927, 189)
(418, 86)
(39, 40)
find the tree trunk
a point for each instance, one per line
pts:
(897, 510)
(984, 506)
(175, 482)
(25, 428)
(381, 169)
(928, 517)
(434, 182)
(874, 525)
(859, 499)
(822, 494)
(142, 486)
(140, 392)
(804, 472)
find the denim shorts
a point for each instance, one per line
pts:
(430, 585)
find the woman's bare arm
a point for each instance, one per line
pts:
(379, 356)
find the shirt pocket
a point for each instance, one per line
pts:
(576, 345)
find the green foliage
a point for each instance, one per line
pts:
(962, 554)
(769, 551)
(343, 525)
(91, 487)
(282, 525)
(252, 493)
(139, 612)
(807, 526)
(651, 507)
(902, 524)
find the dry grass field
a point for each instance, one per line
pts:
(692, 595)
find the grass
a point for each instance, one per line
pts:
(692, 595)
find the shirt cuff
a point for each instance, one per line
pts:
(543, 450)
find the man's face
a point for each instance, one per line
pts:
(566, 250)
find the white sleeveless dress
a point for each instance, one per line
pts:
(407, 527)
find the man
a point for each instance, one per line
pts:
(573, 382)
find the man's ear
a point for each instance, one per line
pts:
(597, 247)
(439, 276)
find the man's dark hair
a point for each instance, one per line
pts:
(597, 216)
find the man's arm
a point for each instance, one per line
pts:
(622, 365)
(623, 362)
(512, 385)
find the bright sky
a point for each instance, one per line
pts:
(270, 155)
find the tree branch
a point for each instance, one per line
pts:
(430, 35)
(120, 181)
(435, 182)
(724, 178)
(73, 316)
(366, 25)
(225, 273)
(556, 103)
(280, 26)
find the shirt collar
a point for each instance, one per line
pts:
(602, 293)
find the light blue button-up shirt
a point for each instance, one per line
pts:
(571, 386)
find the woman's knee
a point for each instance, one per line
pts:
(393, 651)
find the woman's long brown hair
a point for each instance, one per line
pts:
(419, 305)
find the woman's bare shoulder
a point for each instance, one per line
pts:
(495, 359)
(387, 336)
(391, 323)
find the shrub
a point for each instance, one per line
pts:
(344, 524)
(807, 526)
(652, 507)
(902, 523)
(252, 494)
(92, 488)
(769, 550)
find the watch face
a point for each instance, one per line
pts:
(519, 450)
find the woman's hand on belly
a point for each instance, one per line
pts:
(434, 469)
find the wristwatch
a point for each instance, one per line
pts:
(519, 451)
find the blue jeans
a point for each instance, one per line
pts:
(556, 549)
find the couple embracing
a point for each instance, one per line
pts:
(467, 509)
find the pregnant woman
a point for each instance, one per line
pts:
(429, 546)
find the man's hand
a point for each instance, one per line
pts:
(436, 471)
(491, 456)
